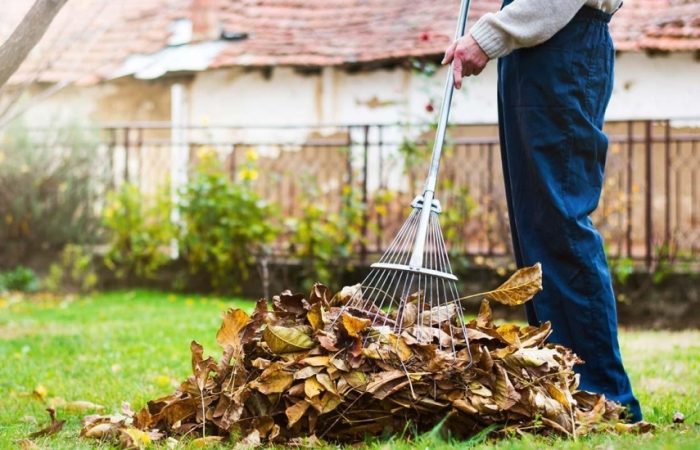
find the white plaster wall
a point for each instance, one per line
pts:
(666, 86)
(663, 86)
(645, 87)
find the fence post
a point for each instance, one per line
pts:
(382, 184)
(667, 188)
(110, 150)
(126, 154)
(365, 207)
(630, 171)
(649, 225)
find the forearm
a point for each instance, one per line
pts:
(523, 23)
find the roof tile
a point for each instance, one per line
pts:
(90, 39)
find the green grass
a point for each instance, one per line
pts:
(134, 346)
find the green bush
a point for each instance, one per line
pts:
(74, 271)
(139, 231)
(19, 279)
(49, 181)
(324, 241)
(225, 224)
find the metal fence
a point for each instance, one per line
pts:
(650, 211)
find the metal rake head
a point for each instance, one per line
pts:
(415, 293)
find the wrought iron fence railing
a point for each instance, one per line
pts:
(649, 213)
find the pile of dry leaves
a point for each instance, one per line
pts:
(304, 368)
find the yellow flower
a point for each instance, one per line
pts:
(205, 152)
(251, 155)
(249, 174)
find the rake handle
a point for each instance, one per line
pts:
(430, 182)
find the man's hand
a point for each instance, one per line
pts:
(469, 58)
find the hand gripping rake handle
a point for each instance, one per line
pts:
(416, 261)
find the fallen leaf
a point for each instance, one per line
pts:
(27, 444)
(286, 339)
(134, 438)
(354, 326)
(409, 315)
(229, 334)
(40, 392)
(295, 412)
(438, 314)
(326, 382)
(312, 387)
(274, 380)
(519, 288)
(346, 294)
(323, 361)
(52, 428)
(82, 406)
(315, 317)
(504, 394)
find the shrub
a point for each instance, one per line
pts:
(139, 231)
(19, 279)
(225, 223)
(48, 182)
(324, 241)
(74, 271)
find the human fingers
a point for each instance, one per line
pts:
(449, 53)
(457, 69)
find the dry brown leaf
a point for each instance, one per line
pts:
(504, 394)
(438, 315)
(557, 394)
(53, 427)
(326, 382)
(354, 326)
(409, 316)
(323, 361)
(82, 406)
(355, 379)
(329, 401)
(27, 444)
(286, 339)
(315, 317)
(40, 392)
(134, 438)
(519, 288)
(295, 412)
(347, 293)
(312, 387)
(229, 334)
(274, 380)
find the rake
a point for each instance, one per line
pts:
(415, 269)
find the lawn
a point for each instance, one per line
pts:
(134, 346)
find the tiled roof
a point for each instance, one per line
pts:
(91, 40)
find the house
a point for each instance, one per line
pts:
(270, 71)
(316, 61)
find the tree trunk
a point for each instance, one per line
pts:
(26, 36)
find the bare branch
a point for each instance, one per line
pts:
(26, 36)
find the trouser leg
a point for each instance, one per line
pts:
(552, 103)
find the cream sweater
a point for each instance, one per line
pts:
(526, 23)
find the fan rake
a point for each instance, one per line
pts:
(413, 283)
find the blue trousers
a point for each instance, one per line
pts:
(552, 100)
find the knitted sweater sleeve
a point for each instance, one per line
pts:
(523, 23)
